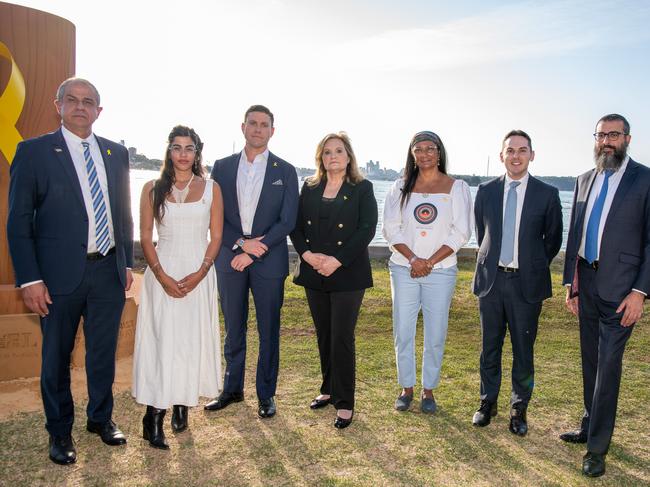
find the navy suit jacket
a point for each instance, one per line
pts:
(47, 226)
(539, 239)
(624, 257)
(275, 215)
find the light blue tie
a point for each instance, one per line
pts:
(509, 223)
(591, 239)
(102, 239)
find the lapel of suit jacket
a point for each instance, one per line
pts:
(339, 204)
(583, 198)
(60, 149)
(271, 174)
(497, 208)
(111, 180)
(528, 203)
(314, 205)
(627, 180)
(232, 169)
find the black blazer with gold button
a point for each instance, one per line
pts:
(350, 229)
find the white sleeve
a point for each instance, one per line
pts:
(31, 283)
(462, 216)
(392, 220)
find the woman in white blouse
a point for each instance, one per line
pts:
(427, 219)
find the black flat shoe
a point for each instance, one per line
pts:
(108, 432)
(152, 428)
(593, 464)
(61, 450)
(341, 423)
(224, 399)
(320, 403)
(577, 436)
(266, 408)
(179, 418)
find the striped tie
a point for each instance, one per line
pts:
(102, 239)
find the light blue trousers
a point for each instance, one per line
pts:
(433, 294)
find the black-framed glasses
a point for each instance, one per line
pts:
(418, 151)
(610, 135)
(179, 149)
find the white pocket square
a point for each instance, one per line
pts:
(277, 183)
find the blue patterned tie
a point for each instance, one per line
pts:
(509, 224)
(102, 239)
(591, 239)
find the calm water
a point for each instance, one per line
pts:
(139, 177)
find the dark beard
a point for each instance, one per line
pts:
(613, 160)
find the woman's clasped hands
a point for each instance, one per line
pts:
(420, 267)
(325, 265)
(180, 288)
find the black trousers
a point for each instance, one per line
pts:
(602, 343)
(99, 299)
(505, 308)
(335, 317)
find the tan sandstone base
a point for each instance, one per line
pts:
(20, 358)
(24, 395)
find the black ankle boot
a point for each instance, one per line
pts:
(179, 418)
(152, 428)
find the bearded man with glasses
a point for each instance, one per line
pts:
(607, 276)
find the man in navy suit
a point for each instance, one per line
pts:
(607, 274)
(70, 235)
(519, 232)
(260, 199)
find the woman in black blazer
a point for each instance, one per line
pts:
(337, 219)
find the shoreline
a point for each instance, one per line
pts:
(377, 252)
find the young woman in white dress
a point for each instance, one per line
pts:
(177, 354)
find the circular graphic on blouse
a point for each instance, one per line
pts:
(425, 213)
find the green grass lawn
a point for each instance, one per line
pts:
(382, 447)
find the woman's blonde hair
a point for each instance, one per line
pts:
(352, 173)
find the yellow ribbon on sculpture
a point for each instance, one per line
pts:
(11, 106)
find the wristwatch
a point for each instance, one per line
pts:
(239, 243)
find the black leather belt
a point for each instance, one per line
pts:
(508, 269)
(99, 255)
(585, 262)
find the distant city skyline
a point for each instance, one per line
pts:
(380, 71)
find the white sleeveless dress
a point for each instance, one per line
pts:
(177, 355)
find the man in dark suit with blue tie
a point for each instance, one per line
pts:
(519, 232)
(70, 235)
(607, 274)
(260, 199)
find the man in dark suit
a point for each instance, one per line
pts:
(260, 199)
(607, 274)
(70, 236)
(519, 232)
